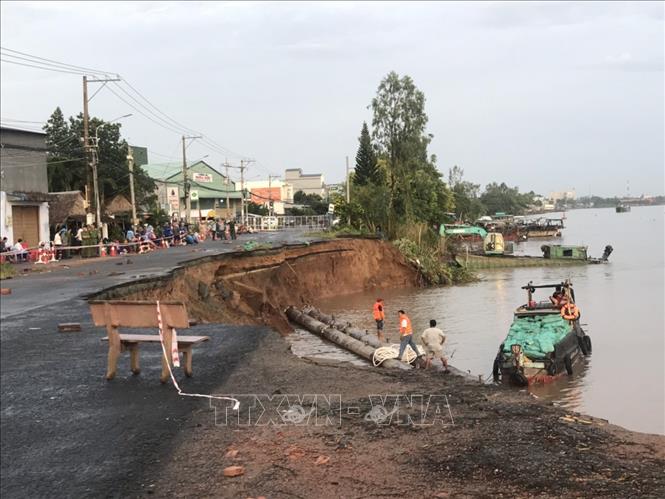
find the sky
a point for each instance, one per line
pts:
(544, 96)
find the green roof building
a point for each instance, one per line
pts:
(209, 190)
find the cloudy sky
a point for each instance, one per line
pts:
(545, 96)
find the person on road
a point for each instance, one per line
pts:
(232, 229)
(433, 339)
(406, 335)
(379, 317)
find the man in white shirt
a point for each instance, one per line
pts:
(433, 339)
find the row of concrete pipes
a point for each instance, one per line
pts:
(345, 335)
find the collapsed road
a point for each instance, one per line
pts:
(67, 431)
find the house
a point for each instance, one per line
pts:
(24, 210)
(309, 183)
(66, 208)
(264, 191)
(209, 190)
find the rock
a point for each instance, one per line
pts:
(322, 460)
(231, 453)
(5, 291)
(232, 471)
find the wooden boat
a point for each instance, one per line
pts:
(622, 208)
(545, 340)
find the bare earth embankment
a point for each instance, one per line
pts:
(499, 441)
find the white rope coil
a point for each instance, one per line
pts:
(391, 352)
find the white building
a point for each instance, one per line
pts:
(24, 211)
(563, 196)
(309, 183)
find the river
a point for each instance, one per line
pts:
(622, 305)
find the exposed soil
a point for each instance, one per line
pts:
(256, 287)
(503, 442)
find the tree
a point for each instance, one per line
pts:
(501, 198)
(257, 209)
(465, 195)
(314, 204)
(416, 192)
(366, 168)
(67, 164)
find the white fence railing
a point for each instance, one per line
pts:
(284, 222)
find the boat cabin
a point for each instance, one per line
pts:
(560, 252)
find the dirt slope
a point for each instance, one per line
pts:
(255, 288)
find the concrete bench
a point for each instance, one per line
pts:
(143, 314)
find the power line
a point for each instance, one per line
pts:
(72, 66)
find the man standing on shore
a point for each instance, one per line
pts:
(406, 335)
(379, 317)
(433, 339)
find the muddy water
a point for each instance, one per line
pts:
(622, 304)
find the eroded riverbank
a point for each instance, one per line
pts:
(495, 439)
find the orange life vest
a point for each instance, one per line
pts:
(378, 311)
(404, 331)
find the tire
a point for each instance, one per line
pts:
(569, 364)
(583, 345)
(496, 371)
(587, 343)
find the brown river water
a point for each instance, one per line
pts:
(622, 305)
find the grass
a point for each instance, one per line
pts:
(7, 271)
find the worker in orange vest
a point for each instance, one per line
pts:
(379, 314)
(406, 335)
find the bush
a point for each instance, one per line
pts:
(7, 271)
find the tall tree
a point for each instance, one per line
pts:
(366, 168)
(67, 165)
(465, 194)
(501, 198)
(65, 158)
(416, 191)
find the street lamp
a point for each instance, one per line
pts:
(98, 211)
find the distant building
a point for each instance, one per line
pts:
(24, 212)
(309, 183)
(562, 196)
(209, 190)
(262, 192)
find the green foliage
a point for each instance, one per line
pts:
(313, 204)
(366, 170)
(427, 259)
(67, 166)
(257, 209)
(415, 190)
(7, 270)
(466, 196)
(501, 198)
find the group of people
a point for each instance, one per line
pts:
(18, 250)
(432, 337)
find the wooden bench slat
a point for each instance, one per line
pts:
(152, 338)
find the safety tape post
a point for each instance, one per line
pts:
(236, 402)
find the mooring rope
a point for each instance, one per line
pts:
(176, 358)
(391, 352)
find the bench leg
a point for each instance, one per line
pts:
(187, 360)
(114, 353)
(134, 358)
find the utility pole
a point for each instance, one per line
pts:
(86, 145)
(91, 155)
(242, 192)
(185, 179)
(228, 183)
(130, 164)
(348, 190)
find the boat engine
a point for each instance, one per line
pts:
(607, 252)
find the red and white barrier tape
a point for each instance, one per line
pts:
(176, 358)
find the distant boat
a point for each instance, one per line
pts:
(622, 208)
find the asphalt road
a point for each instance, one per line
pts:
(65, 431)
